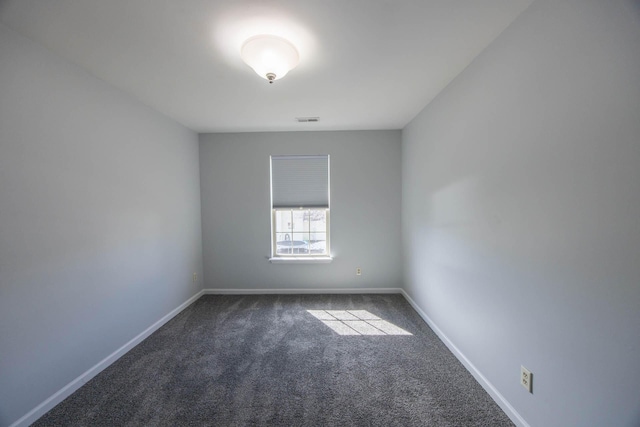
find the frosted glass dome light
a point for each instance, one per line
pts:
(271, 57)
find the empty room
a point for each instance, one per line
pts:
(331, 213)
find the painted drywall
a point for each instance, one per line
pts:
(521, 212)
(99, 221)
(365, 210)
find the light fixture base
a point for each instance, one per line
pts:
(271, 77)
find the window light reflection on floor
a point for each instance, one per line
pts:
(356, 322)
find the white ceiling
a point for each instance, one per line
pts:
(365, 64)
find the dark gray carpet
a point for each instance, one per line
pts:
(264, 360)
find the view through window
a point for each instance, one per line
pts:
(301, 231)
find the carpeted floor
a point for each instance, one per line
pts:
(266, 360)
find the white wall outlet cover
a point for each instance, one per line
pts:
(526, 378)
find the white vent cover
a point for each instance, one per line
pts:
(307, 119)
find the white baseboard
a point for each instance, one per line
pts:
(31, 416)
(484, 382)
(302, 291)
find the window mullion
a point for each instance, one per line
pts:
(293, 226)
(309, 233)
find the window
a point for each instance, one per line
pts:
(300, 207)
(300, 231)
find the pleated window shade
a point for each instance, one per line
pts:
(300, 181)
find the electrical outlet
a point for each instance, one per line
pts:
(195, 277)
(526, 378)
(358, 271)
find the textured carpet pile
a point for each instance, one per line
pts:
(265, 360)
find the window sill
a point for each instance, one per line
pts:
(301, 260)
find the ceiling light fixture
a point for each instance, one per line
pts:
(271, 57)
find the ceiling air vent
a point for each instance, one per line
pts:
(307, 119)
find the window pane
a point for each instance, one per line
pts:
(317, 243)
(301, 236)
(298, 221)
(285, 245)
(316, 236)
(318, 220)
(300, 243)
(283, 222)
(283, 237)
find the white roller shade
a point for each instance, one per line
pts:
(300, 181)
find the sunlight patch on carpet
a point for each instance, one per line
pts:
(356, 322)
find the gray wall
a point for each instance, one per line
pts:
(365, 210)
(521, 212)
(99, 221)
